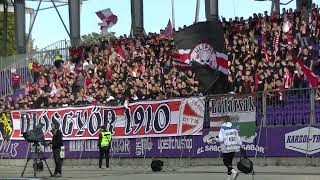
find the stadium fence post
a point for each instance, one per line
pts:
(312, 106)
(257, 145)
(264, 109)
(311, 122)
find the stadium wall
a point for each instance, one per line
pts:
(290, 140)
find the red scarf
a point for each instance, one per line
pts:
(287, 80)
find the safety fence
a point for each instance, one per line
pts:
(271, 125)
(6, 75)
(291, 107)
(20, 63)
(43, 56)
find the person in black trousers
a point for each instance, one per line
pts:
(230, 142)
(104, 145)
(56, 144)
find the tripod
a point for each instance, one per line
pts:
(38, 156)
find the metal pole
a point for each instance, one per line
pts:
(29, 38)
(275, 7)
(52, 7)
(311, 122)
(196, 20)
(20, 26)
(173, 14)
(212, 10)
(312, 106)
(264, 110)
(74, 21)
(33, 19)
(64, 25)
(5, 28)
(137, 24)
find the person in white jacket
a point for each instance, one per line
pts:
(230, 144)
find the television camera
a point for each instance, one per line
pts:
(36, 138)
(36, 135)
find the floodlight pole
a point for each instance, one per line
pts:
(275, 7)
(5, 28)
(137, 24)
(197, 12)
(212, 10)
(20, 26)
(172, 14)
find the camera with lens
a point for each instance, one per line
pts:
(36, 135)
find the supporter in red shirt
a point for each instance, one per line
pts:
(287, 79)
(27, 88)
(15, 80)
(36, 68)
(108, 73)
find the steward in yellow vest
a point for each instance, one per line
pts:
(58, 61)
(104, 145)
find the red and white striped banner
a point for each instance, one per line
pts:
(177, 117)
(203, 54)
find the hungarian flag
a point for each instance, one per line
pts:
(108, 19)
(201, 48)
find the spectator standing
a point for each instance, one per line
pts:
(36, 68)
(104, 146)
(230, 144)
(15, 80)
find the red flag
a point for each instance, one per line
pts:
(256, 80)
(120, 53)
(169, 30)
(182, 60)
(107, 17)
(313, 79)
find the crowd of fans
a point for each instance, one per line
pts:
(97, 74)
(262, 52)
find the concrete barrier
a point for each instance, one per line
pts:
(173, 163)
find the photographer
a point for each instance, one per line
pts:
(56, 144)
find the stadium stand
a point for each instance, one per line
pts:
(264, 54)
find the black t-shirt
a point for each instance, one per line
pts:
(239, 81)
(261, 84)
(298, 81)
(269, 79)
(90, 71)
(306, 60)
(53, 104)
(101, 74)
